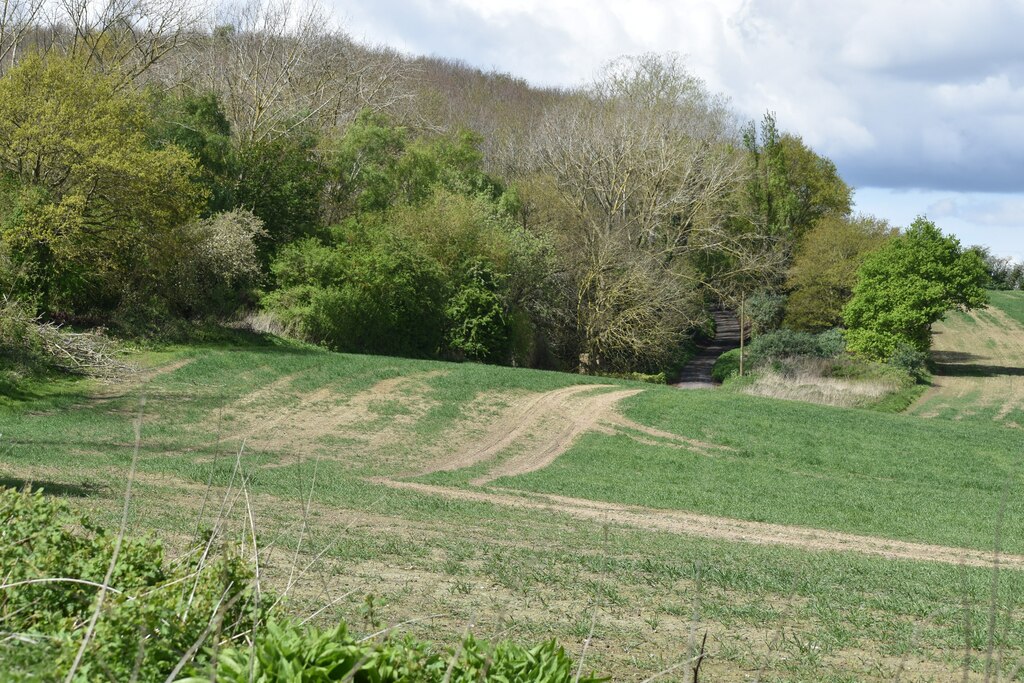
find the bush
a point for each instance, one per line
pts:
(285, 652)
(782, 344)
(785, 343)
(478, 326)
(910, 360)
(765, 311)
(831, 343)
(371, 293)
(727, 366)
(51, 561)
(220, 265)
(151, 616)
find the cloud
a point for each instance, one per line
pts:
(910, 94)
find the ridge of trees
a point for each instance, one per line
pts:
(161, 162)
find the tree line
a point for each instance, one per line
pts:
(160, 165)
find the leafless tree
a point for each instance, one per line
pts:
(18, 18)
(124, 37)
(278, 65)
(645, 167)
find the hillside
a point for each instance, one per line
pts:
(808, 541)
(979, 360)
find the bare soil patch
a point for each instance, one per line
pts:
(722, 528)
(278, 418)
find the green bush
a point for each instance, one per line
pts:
(782, 344)
(765, 311)
(910, 360)
(369, 293)
(477, 324)
(727, 365)
(284, 652)
(51, 560)
(156, 617)
(831, 343)
(785, 343)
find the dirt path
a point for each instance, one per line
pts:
(697, 373)
(721, 528)
(536, 429)
(979, 369)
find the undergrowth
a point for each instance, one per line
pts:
(78, 603)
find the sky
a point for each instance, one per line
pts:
(919, 103)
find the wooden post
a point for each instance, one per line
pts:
(742, 301)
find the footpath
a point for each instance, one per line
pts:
(697, 373)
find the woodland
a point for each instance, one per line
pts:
(164, 168)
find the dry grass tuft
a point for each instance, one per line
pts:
(809, 386)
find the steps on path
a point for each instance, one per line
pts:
(697, 373)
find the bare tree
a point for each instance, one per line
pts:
(278, 65)
(18, 18)
(645, 167)
(123, 37)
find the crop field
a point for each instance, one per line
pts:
(980, 365)
(625, 519)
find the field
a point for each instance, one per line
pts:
(980, 365)
(625, 519)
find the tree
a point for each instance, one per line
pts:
(641, 169)
(824, 271)
(790, 187)
(92, 210)
(906, 286)
(1003, 272)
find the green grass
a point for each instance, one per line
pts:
(1010, 303)
(530, 575)
(848, 470)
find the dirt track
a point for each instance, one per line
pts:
(535, 430)
(721, 528)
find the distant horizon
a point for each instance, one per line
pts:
(918, 107)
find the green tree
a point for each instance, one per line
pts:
(909, 284)
(87, 206)
(198, 125)
(824, 271)
(790, 187)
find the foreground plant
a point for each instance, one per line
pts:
(196, 620)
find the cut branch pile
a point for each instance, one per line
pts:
(83, 353)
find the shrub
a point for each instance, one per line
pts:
(831, 343)
(781, 344)
(285, 652)
(727, 366)
(371, 293)
(220, 264)
(766, 311)
(152, 615)
(910, 360)
(478, 326)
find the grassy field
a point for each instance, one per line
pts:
(979, 359)
(1010, 303)
(534, 504)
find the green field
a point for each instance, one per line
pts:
(1010, 303)
(300, 426)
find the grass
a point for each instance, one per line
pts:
(1010, 303)
(791, 614)
(849, 470)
